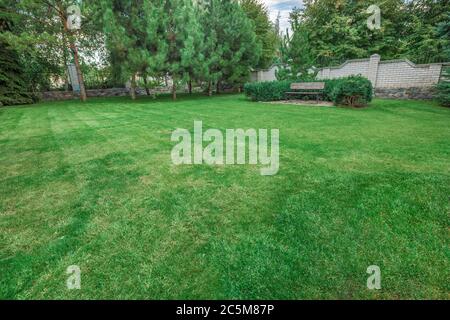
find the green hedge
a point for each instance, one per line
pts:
(329, 88)
(268, 90)
(355, 90)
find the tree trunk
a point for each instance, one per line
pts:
(190, 86)
(66, 79)
(218, 87)
(83, 95)
(174, 89)
(73, 47)
(210, 88)
(133, 87)
(66, 71)
(146, 85)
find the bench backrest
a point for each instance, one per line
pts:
(308, 86)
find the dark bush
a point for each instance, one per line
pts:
(330, 84)
(267, 91)
(354, 91)
(13, 87)
(443, 90)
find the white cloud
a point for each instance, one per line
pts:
(284, 7)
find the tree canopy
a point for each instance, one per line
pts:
(266, 34)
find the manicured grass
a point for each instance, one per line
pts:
(93, 185)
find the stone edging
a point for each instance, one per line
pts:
(420, 93)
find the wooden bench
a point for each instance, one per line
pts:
(307, 88)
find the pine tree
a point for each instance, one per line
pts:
(121, 38)
(240, 49)
(443, 88)
(296, 51)
(266, 33)
(133, 36)
(301, 50)
(277, 25)
(230, 47)
(182, 40)
(13, 88)
(198, 65)
(211, 25)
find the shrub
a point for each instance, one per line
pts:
(267, 91)
(354, 91)
(443, 90)
(330, 84)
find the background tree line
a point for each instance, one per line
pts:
(209, 42)
(212, 43)
(329, 32)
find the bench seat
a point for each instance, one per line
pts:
(307, 88)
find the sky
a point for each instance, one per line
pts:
(284, 7)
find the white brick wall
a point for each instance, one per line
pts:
(264, 75)
(349, 68)
(387, 74)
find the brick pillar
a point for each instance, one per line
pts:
(435, 73)
(373, 69)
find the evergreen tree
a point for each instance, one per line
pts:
(422, 41)
(230, 47)
(443, 88)
(133, 36)
(13, 88)
(296, 51)
(443, 30)
(277, 25)
(198, 66)
(240, 50)
(266, 35)
(183, 40)
(211, 22)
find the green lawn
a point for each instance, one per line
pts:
(93, 185)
